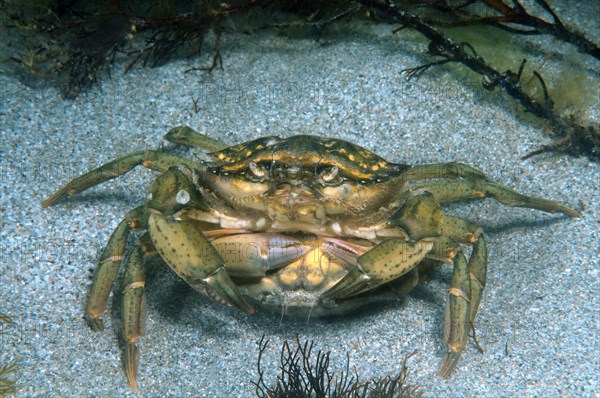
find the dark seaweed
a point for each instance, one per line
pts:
(82, 39)
(303, 375)
(572, 135)
(513, 18)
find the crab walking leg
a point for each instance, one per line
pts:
(459, 229)
(444, 250)
(186, 136)
(385, 262)
(442, 170)
(477, 274)
(187, 251)
(132, 311)
(109, 264)
(454, 230)
(450, 191)
(153, 160)
(106, 274)
(462, 308)
(457, 316)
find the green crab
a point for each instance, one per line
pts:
(303, 225)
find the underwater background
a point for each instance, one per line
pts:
(538, 321)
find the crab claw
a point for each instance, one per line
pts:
(385, 262)
(186, 250)
(182, 244)
(253, 255)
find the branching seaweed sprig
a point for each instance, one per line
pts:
(303, 375)
(514, 17)
(572, 136)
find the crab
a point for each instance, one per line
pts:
(303, 225)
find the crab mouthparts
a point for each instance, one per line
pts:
(289, 202)
(293, 193)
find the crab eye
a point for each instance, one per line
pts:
(330, 176)
(257, 172)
